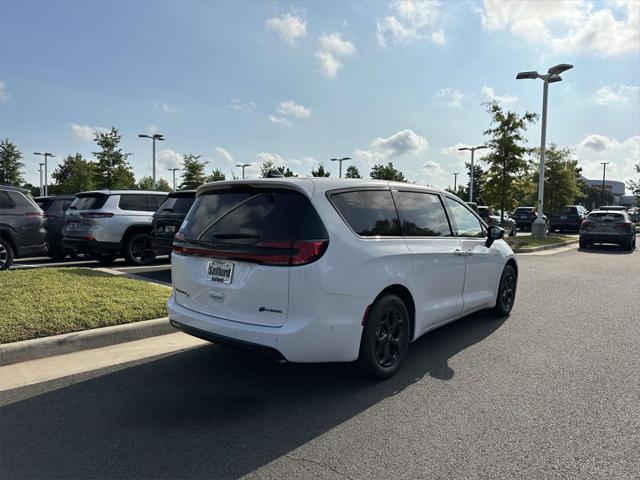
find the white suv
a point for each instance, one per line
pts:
(110, 223)
(322, 270)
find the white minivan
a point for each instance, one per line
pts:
(324, 270)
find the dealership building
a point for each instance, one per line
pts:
(616, 188)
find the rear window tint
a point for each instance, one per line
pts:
(20, 200)
(155, 201)
(90, 202)
(5, 202)
(523, 210)
(135, 202)
(601, 216)
(422, 215)
(570, 211)
(177, 204)
(247, 217)
(369, 213)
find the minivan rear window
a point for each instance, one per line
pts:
(177, 204)
(370, 213)
(247, 217)
(89, 202)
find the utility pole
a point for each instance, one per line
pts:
(340, 160)
(455, 182)
(173, 171)
(40, 170)
(243, 166)
(46, 155)
(154, 137)
(604, 174)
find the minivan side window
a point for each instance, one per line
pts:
(465, 223)
(134, 202)
(422, 214)
(370, 213)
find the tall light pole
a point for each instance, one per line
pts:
(40, 170)
(173, 171)
(604, 174)
(539, 227)
(472, 150)
(45, 155)
(340, 160)
(455, 182)
(154, 137)
(243, 166)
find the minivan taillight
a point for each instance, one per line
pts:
(96, 214)
(308, 251)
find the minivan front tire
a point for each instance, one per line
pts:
(385, 338)
(6, 254)
(506, 291)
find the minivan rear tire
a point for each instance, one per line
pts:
(6, 254)
(132, 249)
(385, 338)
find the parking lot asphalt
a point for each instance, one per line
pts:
(549, 392)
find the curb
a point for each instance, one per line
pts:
(72, 342)
(544, 247)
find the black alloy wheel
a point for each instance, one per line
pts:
(138, 250)
(506, 291)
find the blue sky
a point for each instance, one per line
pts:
(300, 83)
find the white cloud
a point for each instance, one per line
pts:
(151, 129)
(490, 94)
(612, 95)
(409, 21)
(224, 154)
(164, 107)
(291, 108)
(568, 26)
(279, 120)
(168, 158)
(84, 132)
(333, 49)
(289, 27)
(404, 142)
(451, 97)
(596, 148)
(244, 107)
(462, 156)
(4, 94)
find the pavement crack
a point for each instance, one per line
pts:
(320, 464)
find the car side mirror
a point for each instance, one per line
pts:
(494, 233)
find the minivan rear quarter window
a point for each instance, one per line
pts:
(422, 215)
(370, 213)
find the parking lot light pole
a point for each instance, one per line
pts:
(472, 150)
(243, 166)
(40, 170)
(604, 174)
(455, 181)
(154, 137)
(46, 155)
(173, 171)
(539, 227)
(340, 160)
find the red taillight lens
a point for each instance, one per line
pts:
(586, 225)
(34, 214)
(96, 215)
(308, 251)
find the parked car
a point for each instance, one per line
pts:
(610, 226)
(525, 216)
(613, 208)
(168, 219)
(507, 223)
(22, 231)
(634, 213)
(570, 218)
(110, 223)
(333, 270)
(54, 208)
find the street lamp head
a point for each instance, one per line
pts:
(37, 153)
(554, 78)
(243, 165)
(480, 147)
(558, 69)
(464, 148)
(158, 136)
(527, 75)
(142, 135)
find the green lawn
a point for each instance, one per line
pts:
(49, 301)
(528, 241)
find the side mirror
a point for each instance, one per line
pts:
(495, 233)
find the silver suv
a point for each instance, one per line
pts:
(111, 223)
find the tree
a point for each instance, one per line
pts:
(506, 158)
(112, 168)
(10, 163)
(146, 183)
(216, 176)
(74, 174)
(593, 197)
(192, 172)
(387, 172)
(268, 166)
(634, 185)
(561, 176)
(320, 172)
(478, 182)
(352, 172)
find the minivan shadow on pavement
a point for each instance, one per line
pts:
(208, 412)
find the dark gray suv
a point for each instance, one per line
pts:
(22, 232)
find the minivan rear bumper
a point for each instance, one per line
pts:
(299, 340)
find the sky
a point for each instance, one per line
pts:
(300, 83)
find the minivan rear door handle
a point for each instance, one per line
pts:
(462, 253)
